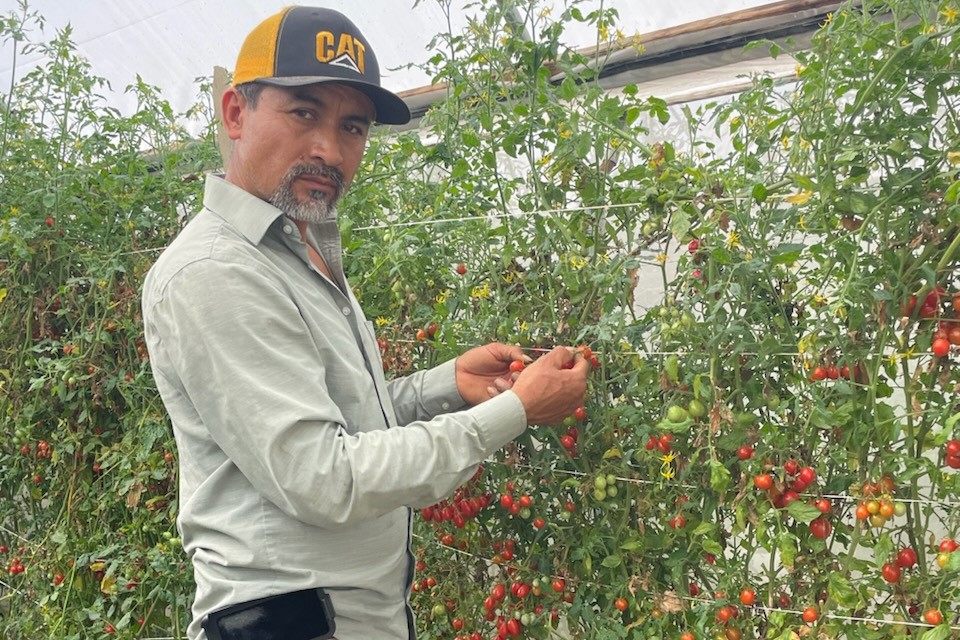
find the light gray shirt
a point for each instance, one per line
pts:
(299, 462)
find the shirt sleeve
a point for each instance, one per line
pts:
(244, 357)
(425, 394)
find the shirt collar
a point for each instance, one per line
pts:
(247, 213)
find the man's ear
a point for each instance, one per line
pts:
(233, 107)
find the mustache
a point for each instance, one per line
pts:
(332, 174)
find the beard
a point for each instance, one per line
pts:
(315, 208)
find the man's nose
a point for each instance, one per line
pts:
(325, 146)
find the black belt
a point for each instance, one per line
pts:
(300, 615)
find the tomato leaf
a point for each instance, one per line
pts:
(612, 561)
(712, 546)
(786, 253)
(803, 512)
(788, 550)
(759, 192)
(719, 477)
(940, 632)
(839, 589)
(952, 194)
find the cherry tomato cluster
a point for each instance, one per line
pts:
(797, 479)
(662, 442)
(829, 372)
(466, 503)
(569, 440)
(879, 506)
(951, 452)
(15, 566)
(947, 332)
(428, 332)
(512, 615)
(947, 547)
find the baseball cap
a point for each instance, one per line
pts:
(306, 45)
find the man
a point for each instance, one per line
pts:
(299, 463)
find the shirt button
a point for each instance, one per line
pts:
(346, 311)
(445, 406)
(287, 229)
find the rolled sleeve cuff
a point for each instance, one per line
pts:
(501, 419)
(442, 383)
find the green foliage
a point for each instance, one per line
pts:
(87, 472)
(790, 231)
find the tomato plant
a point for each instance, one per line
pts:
(783, 416)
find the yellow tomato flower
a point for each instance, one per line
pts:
(800, 198)
(949, 14)
(661, 258)
(953, 157)
(381, 321)
(733, 240)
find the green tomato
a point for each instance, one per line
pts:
(696, 409)
(600, 483)
(600, 494)
(611, 480)
(612, 491)
(899, 509)
(676, 413)
(439, 610)
(525, 513)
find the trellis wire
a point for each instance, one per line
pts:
(640, 481)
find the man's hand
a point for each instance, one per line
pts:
(550, 388)
(483, 372)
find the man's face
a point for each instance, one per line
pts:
(300, 147)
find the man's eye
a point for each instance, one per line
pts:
(303, 113)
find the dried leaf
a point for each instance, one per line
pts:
(133, 497)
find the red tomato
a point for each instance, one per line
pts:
(940, 347)
(933, 616)
(724, 614)
(499, 592)
(810, 615)
(580, 414)
(791, 467)
(819, 373)
(748, 597)
(890, 572)
(953, 461)
(558, 585)
(745, 452)
(906, 558)
(823, 505)
(517, 366)
(526, 502)
(820, 528)
(461, 268)
(538, 523)
(807, 475)
(678, 522)
(763, 481)
(693, 246)
(948, 545)
(953, 447)
(833, 372)
(621, 604)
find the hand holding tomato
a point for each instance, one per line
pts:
(483, 372)
(550, 388)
